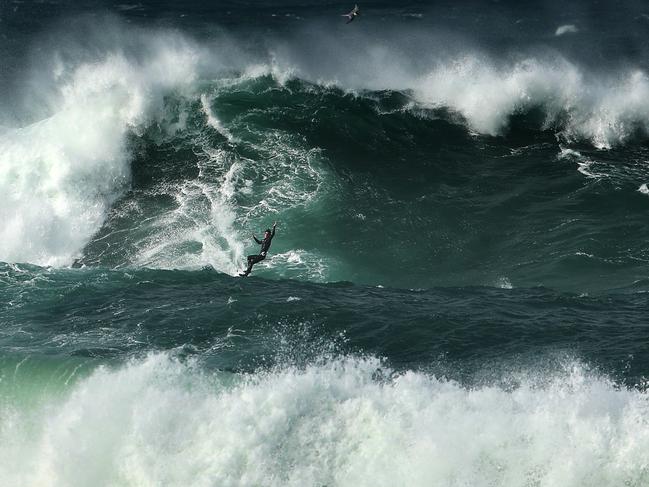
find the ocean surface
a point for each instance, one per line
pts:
(458, 291)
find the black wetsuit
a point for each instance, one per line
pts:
(265, 245)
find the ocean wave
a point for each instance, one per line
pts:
(579, 104)
(605, 111)
(338, 422)
(162, 153)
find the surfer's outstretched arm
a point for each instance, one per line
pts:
(274, 225)
(256, 239)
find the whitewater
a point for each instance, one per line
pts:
(342, 422)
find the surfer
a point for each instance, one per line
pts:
(265, 245)
(353, 14)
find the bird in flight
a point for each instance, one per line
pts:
(353, 14)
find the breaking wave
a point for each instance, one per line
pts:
(160, 152)
(338, 422)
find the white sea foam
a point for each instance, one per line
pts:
(487, 96)
(605, 108)
(202, 229)
(602, 110)
(585, 165)
(504, 283)
(300, 264)
(338, 423)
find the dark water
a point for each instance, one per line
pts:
(457, 291)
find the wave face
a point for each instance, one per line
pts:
(457, 291)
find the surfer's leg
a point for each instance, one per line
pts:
(250, 264)
(252, 260)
